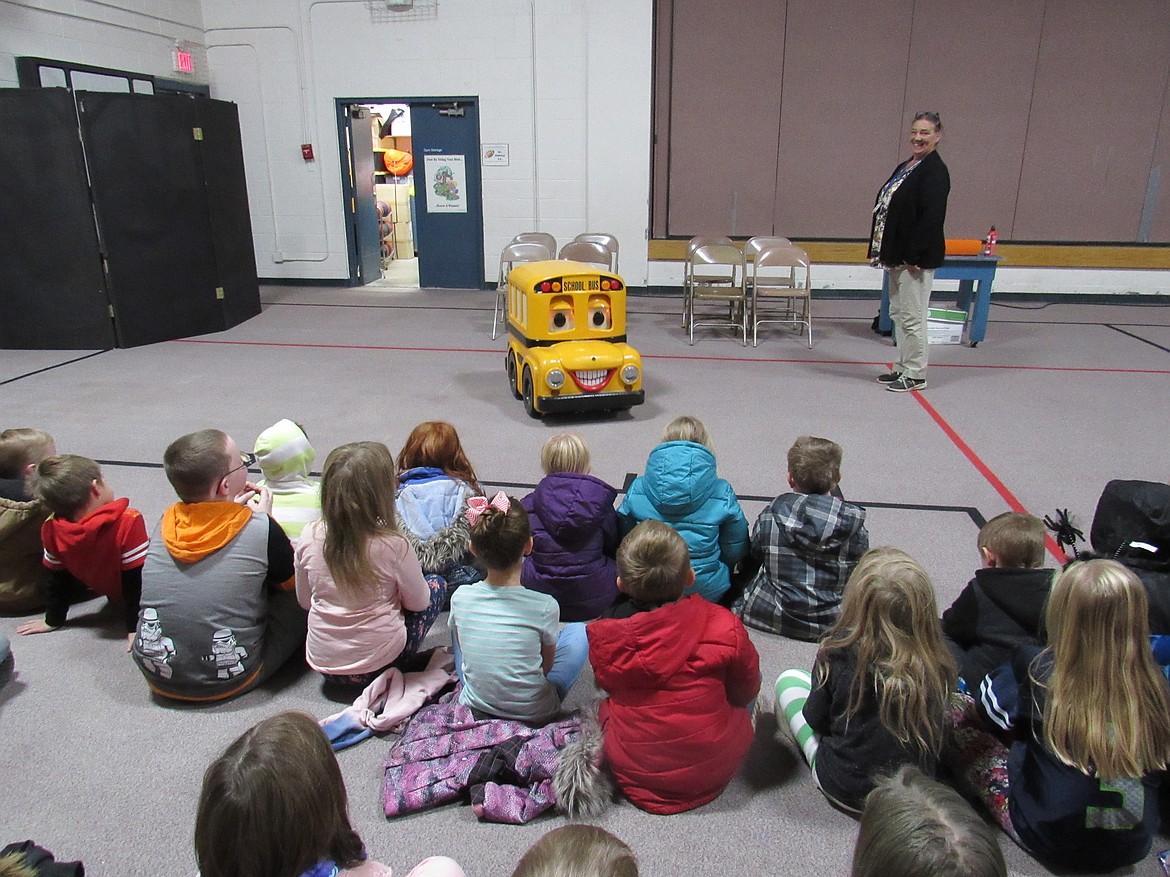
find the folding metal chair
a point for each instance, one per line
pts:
(606, 240)
(717, 275)
(514, 254)
(781, 289)
(585, 251)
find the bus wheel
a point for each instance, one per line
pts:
(529, 402)
(510, 366)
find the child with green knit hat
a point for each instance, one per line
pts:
(285, 455)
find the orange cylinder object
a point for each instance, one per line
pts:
(398, 162)
(963, 247)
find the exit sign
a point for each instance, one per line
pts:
(184, 61)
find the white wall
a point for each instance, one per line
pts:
(134, 35)
(568, 89)
(1041, 281)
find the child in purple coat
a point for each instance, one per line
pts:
(574, 532)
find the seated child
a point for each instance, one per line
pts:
(435, 480)
(369, 605)
(92, 538)
(914, 826)
(807, 542)
(681, 487)
(275, 804)
(1003, 606)
(22, 573)
(511, 661)
(578, 850)
(218, 614)
(1131, 525)
(679, 675)
(1087, 719)
(574, 532)
(285, 455)
(881, 683)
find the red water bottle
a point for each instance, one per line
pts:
(989, 242)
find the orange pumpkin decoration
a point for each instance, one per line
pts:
(398, 162)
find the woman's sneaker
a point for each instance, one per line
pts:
(889, 378)
(905, 385)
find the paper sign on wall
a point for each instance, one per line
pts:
(446, 177)
(494, 154)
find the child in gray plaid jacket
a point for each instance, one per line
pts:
(807, 543)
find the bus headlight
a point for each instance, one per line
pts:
(555, 379)
(630, 373)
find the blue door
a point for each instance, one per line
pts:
(447, 193)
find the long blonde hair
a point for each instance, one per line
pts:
(1108, 707)
(357, 503)
(889, 620)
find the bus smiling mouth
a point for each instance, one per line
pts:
(591, 380)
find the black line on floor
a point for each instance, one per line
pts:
(1116, 328)
(971, 511)
(51, 367)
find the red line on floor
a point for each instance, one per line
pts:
(1010, 498)
(672, 356)
(335, 346)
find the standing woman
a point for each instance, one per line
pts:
(907, 241)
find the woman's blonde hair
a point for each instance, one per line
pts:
(1108, 707)
(565, 452)
(889, 620)
(357, 504)
(578, 851)
(687, 429)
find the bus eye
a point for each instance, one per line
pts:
(600, 315)
(560, 314)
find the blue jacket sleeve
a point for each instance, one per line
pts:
(999, 697)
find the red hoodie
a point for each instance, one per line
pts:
(679, 677)
(97, 548)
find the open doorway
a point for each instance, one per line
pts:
(392, 151)
(394, 193)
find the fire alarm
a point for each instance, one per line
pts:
(307, 151)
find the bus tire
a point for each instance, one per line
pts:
(510, 366)
(529, 401)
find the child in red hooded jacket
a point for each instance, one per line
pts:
(680, 674)
(93, 538)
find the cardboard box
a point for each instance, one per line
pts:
(945, 326)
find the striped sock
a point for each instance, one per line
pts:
(792, 690)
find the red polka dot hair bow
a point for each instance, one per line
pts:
(477, 505)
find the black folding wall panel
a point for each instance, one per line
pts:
(222, 158)
(166, 184)
(52, 295)
(168, 189)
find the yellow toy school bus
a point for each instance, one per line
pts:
(567, 349)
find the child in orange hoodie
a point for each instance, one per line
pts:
(680, 674)
(218, 613)
(92, 539)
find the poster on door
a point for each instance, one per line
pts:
(446, 177)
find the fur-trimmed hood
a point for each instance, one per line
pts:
(431, 508)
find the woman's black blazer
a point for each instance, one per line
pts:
(914, 222)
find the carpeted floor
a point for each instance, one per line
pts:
(1058, 400)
